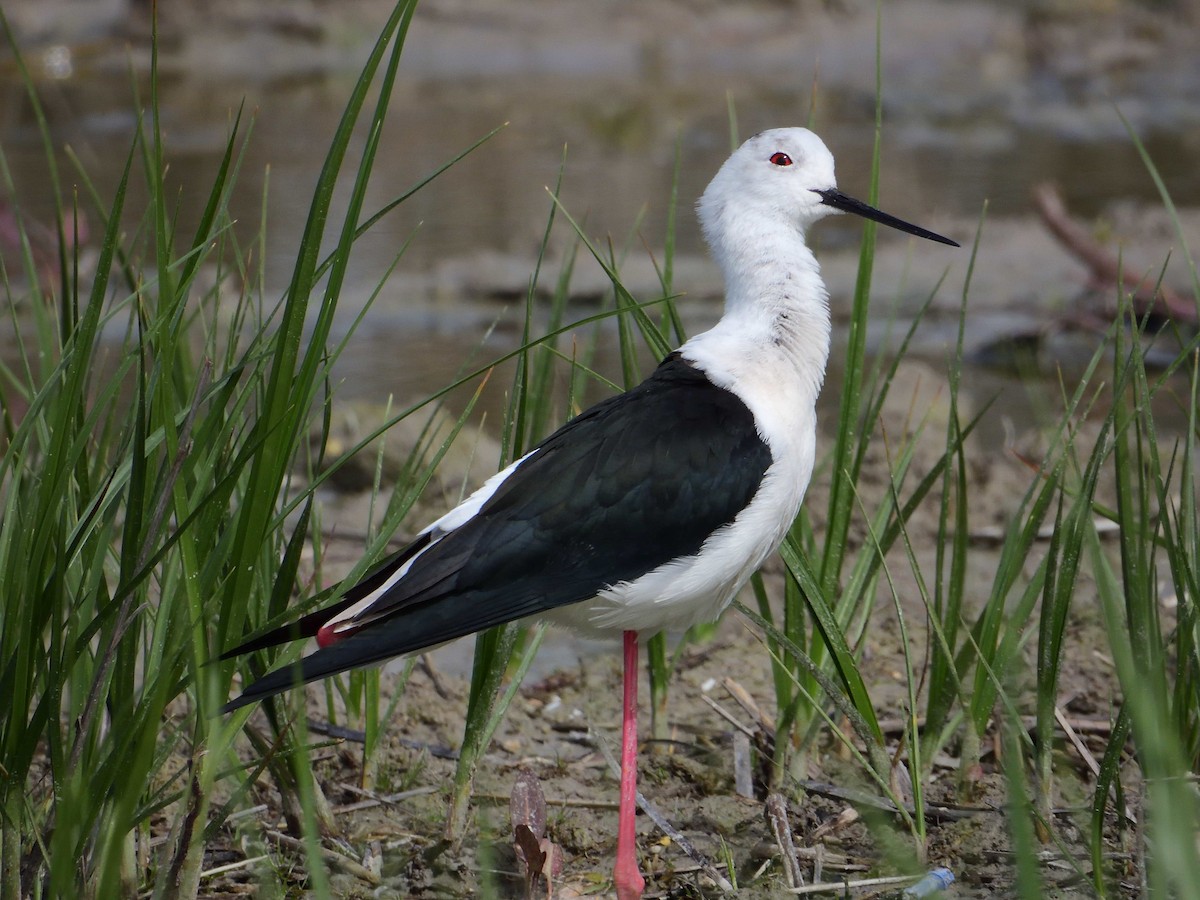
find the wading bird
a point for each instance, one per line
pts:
(651, 509)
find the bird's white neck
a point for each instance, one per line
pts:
(776, 323)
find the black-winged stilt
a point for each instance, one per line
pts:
(651, 509)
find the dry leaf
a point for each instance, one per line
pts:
(527, 804)
(527, 811)
(529, 852)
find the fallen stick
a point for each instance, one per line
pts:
(335, 859)
(1147, 295)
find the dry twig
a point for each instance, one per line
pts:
(335, 859)
(1105, 268)
(777, 817)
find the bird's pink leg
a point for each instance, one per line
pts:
(626, 877)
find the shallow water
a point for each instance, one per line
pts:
(981, 102)
(620, 153)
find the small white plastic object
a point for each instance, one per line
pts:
(932, 884)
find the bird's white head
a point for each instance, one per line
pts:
(781, 179)
(774, 177)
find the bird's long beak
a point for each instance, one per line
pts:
(835, 198)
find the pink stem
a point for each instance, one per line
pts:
(626, 877)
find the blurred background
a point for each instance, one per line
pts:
(982, 101)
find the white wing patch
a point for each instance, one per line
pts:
(360, 613)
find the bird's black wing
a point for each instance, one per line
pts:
(630, 484)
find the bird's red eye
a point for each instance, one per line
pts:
(780, 158)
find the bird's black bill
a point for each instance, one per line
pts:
(838, 200)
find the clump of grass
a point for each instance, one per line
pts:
(146, 493)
